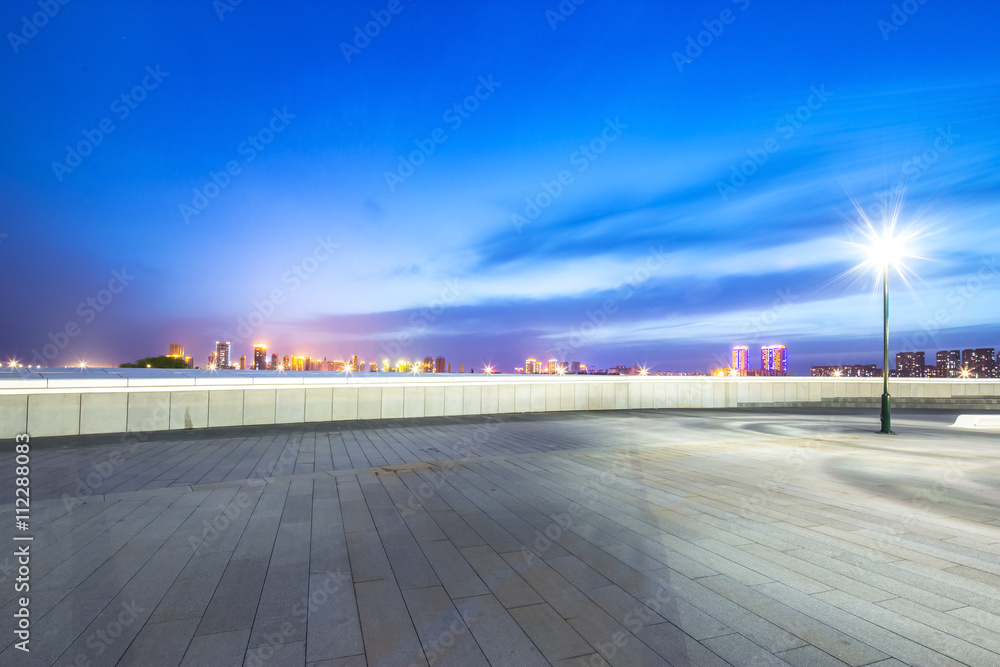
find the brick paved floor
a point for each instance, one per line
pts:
(626, 538)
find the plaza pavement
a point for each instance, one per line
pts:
(737, 537)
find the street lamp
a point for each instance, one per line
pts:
(885, 252)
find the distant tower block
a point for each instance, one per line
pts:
(774, 359)
(741, 359)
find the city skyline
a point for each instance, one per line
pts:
(647, 184)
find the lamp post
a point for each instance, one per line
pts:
(886, 417)
(886, 252)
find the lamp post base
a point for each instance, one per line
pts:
(886, 416)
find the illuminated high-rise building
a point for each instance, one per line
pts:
(980, 363)
(260, 357)
(439, 365)
(286, 363)
(428, 365)
(741, 359)
(552, 366)
(774, 359)
(949, 363)
(176, 350)
(354, 363)
(222, 351)
(910, 364)
(373, 367)
(529, 366)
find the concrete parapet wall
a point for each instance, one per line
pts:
(119, 401)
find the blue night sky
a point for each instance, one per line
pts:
(495, 183)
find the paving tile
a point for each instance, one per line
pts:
(677, 647)
(290, 654)
(161, 643)
(498, 634)
(234, 603)
(455, 573)
(739, 650)
(508, 587)
(221, 649)
(368, 559)
(553, 636)
(389, 636)
(334, 628)
(810, 656)
(444, 636)
(191, 592)
(578, 573)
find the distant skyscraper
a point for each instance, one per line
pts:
(741, 359)
(373, 367)
(354, 362)
(428, 365)
(176, 350)
(910, 364)
(243, 362)
(574, 367)
(461, 367)
(529, 366)
(260, 357)
(949, 363)
(273, 366)
(286, 363)
(222, 351)
(449, 366)
(980, 363)
(552, 366)
(439, 365)
(774, 359)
